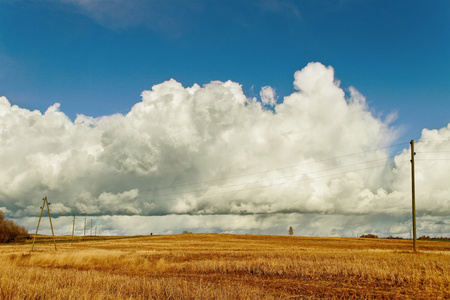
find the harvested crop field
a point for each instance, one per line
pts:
(221, 266)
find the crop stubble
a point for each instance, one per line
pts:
(221, 266)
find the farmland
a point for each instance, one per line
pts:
(222, 266)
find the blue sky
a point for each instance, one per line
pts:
(143, 153)
(96, 59)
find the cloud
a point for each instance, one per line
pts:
(174, 19)
(169, 18)
(268, 96)
(210, 151)
(5, 210)
(286, 8)
(108, 203)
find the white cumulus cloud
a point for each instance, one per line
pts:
(210, 150)
(268, 95)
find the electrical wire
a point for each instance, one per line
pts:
(430, 159)
(275, 184)
(432, 152)
(266, 171)
(278, 178)
(272, 170)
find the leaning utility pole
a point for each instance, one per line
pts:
(413, 197)
(39, 222)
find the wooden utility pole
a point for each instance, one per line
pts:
(73, 227)
(39, 222)
(413, 196)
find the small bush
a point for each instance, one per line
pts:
(10, 232)
(427, 237)
(395, 237)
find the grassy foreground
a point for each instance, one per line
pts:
(219, 266)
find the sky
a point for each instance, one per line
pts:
(226, 116)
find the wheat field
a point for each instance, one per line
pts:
(222, 266)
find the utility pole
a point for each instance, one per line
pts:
(39, 222)
(73, 227)
(413, 197)
(50, 218)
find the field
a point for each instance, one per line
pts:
(221, 266)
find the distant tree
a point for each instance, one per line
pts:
(369, 236)
(291, 231)
(10, 232)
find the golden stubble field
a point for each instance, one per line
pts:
(221, 266)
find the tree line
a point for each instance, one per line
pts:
(10, 232)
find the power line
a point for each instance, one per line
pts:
(154, 189)
(271, 179)
(276, 184)
(431, 159)
(259, 181)
(271, 170)
(432, 152)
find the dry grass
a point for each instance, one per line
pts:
(208, 266)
